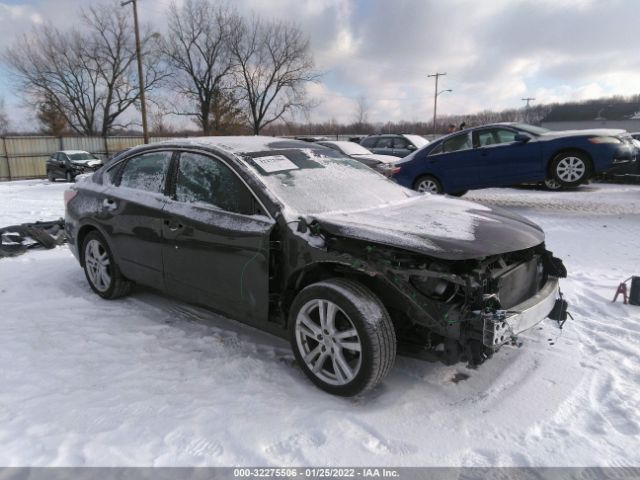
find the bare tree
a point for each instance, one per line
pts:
(362, 110)
(4, 119)
(87, 76)
(112, 47)
(196, 49)
(273, 64)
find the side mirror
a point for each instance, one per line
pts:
(411, 147)
(521, 138)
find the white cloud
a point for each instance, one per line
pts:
(494, 52)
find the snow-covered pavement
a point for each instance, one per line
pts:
(149, 380)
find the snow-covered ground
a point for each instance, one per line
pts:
(148, 380)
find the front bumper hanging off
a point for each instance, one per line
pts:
(500, 326)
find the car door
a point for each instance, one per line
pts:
(384, 146)
(52, 165)
(64, 164)
(454, 163)
(402, 147)
(132, 215)
(504, 160)
(217, 249)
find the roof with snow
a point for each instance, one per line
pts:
(593, 111)
(241, 144)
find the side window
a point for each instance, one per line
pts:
(204, 179)
(436, 151)
(399, 142)
(368, 142)
(506, 136)
(146, 172)
(495, 136)
(457, 143)
(384, 142)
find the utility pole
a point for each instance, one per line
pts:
(143, 106)
(527, 99)
(526, 107)
(435, 97)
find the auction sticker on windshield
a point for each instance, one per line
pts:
(275, 163)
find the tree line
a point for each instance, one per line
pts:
(226, 72)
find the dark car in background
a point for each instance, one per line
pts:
(300, 241)
(67, 164)
(506, 154)
(381, 163)
(395, 145)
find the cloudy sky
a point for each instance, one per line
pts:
(494, 52)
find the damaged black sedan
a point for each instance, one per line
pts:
(300, 241)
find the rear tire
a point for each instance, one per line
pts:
(428, 184)
(570, 169)
(100, 268)
(69, 177)
(342, 336)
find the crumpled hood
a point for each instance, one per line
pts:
(88, 163)
(609, 132)
(437, 226)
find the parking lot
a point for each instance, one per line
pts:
(148, 380)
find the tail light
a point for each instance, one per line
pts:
(389, 170)
(68, 196)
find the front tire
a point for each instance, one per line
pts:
(342, 336)
(51, 177)
(428, 184)
(100, 268)
(570, 169)
(69, 177)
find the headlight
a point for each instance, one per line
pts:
(598, 140)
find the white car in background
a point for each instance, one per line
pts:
(381, 163)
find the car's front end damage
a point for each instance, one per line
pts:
(473, 307)
(453, 299)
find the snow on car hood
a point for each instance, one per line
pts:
(438, 226)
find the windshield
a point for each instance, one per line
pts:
(319, 181)
(351, 148)
(81, 156)
(531, 128)
(417, 140)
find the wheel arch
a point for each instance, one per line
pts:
(319, 271)
(85, 230)
(428, 174)
(566, 149)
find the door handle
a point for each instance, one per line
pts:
(173, 226)
(109, 204)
